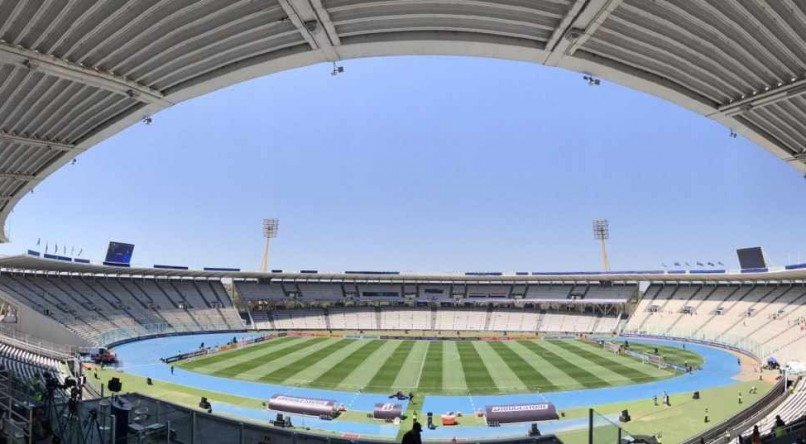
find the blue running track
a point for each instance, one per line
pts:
(142, 358)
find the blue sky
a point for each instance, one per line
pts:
(422, 164)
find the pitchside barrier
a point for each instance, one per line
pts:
(208, 350)
(387, 410)
(540, 411)
(172, 423)
(303, 406)
(601, 430)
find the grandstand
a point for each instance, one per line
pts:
(72, 74)
(90, 307)
(766, 317)
(84, 305)
(791, 410)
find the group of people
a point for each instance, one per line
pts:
(667, 401)
(755, 437)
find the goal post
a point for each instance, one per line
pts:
(655, 360)
(614, 347)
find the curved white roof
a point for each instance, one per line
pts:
(74, 72)
(26, 263)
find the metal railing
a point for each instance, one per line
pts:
(147, 330)
(741, 421)
(40, 346)
(740, 343)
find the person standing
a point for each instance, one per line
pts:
(756, 437)
(413, 435)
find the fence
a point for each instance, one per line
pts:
(154, 421)
(602, 430)
(736, 343)
(26, 341)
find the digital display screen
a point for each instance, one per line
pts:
(120, 253)
(751, 258)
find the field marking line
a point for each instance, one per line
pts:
(422, 364)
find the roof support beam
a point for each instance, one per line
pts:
(39, 143)
(313, 22)
(773, 95)
(327, 23)
(579, 24)
(63, 69)
(18, 176)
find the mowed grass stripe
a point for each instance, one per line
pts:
(307, 375)
(283, 373)
(531, 377)
(547, 368)
(633, 374)
(431, 377)
(338, 372)
(292, 356)
(252, 354)
(360, 376)
(603, 372)
(408, 378)
(385, 377)
(234, 354)
(642, 371)
(453, 382)
(477, 376)
(582, 376)
(503, 376)
(243, 367)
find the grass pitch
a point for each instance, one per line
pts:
(430, 367)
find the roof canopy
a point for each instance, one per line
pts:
(35, 264)
(73, 73)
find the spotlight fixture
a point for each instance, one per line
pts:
(601, 232)
(592, 81)
(733, 134)
(337, 69)
(147, 120)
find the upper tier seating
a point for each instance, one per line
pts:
(336, 292)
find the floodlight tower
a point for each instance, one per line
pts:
(601, 232)
(270, 227)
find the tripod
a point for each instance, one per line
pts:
(70, 428)
(92, 429)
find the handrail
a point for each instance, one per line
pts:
(28, 342)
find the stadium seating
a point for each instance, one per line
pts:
(423, 319)
(768, 319)
(26, 365)
(790, 410)
(94, 307)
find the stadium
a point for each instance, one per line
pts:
(110, 351)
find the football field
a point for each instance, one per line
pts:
(428, 367)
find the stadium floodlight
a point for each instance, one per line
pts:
(270, 227)
(601, 232)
